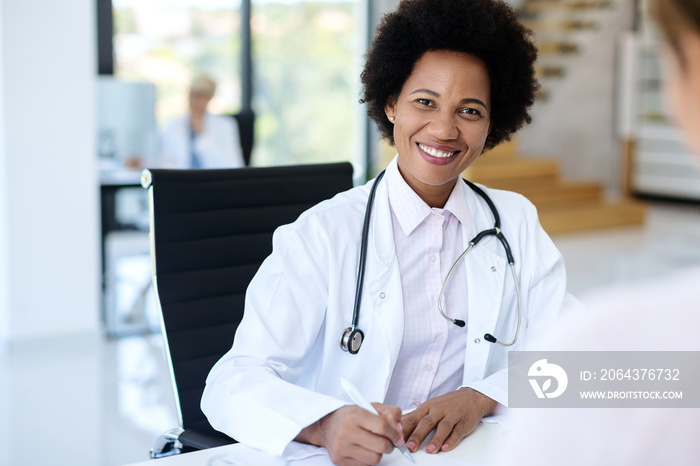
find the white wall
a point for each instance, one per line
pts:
(385, 6)
(4, 250)
(49, 228)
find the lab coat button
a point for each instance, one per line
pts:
(382, 295)
(428, 368)
(416, 403)
(493, 269)
(477, 340)
(433, 258)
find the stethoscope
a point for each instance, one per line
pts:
(352, 337)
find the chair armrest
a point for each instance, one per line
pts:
(200, 441)
(167, 444)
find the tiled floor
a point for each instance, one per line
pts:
(90, 401)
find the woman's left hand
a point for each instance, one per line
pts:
(453, 415)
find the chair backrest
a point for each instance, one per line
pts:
(210, 231)
(245, 120)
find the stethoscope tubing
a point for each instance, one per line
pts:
(461, 323)
(495, 231)
(363, 252)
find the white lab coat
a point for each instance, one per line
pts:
(217, 147)
(284, 369)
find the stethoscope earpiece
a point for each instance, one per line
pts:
(351, 340)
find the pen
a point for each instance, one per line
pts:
(360, 401)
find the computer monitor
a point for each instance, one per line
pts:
(125, 120)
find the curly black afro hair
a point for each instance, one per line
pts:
(487, 29)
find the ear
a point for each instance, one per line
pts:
(390, 108)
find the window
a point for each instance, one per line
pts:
(306, 57)
(167, 42)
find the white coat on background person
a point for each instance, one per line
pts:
(284, 369)
(200, 139)
(217, 147)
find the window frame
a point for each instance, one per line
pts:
(105, 65)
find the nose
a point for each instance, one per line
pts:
(444, 126)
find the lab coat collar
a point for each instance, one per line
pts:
(383, 282)
(381, 229)
(409, 208)
(459, 206)
(481, 217)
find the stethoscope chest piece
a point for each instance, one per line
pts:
(351, 340)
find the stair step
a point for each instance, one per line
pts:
(549, 71)
(537, 6)
(487, 170)
(554, 193)
(570, 25)
(506, 150)
(542, 95)
(556, 48)
(593, 216)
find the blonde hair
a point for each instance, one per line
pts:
(203, 84)
(675, 19)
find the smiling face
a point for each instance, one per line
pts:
(441, 120)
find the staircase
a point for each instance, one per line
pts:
(563, 205)
(561, 29)
(564, 30)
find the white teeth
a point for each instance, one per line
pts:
(437, 153)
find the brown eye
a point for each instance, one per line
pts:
(471, 113)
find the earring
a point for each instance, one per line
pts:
(391, 119)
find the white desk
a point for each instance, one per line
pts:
(480, 447)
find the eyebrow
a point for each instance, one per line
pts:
(463, 101)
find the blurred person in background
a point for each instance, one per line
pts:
(200, 139)
(663, 315)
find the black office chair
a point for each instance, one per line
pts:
(245, 121)
(210, 231)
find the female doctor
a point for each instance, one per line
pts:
(444, 80)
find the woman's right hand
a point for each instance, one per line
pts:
(354, 436)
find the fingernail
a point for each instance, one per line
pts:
(445, 447)
(430, 448)
(411, 446)
(401, 442)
